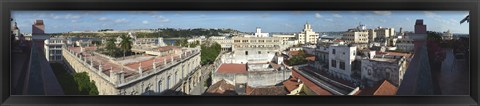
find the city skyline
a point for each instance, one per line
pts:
(245, 21)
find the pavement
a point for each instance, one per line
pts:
(454, 76)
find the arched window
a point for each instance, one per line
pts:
(160, 86)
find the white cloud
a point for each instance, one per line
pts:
(68, 16)
(123, 20)
(74, 21)
(431, 14)
(382, 20)
(145, 22)
(331, 20)
(356, 18)
(408, 19)
(103, 19)
(337, 15)
(382, 12)
(317, 15)
(161, 18)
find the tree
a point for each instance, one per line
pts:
(85, 86)
(209, 52)
(111, 47)
(126, 44)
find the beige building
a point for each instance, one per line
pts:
(356, 36)
(307, 35)
(173, 69)
(384, 32)
(224, 41)
(255, 48)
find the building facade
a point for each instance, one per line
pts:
(139, 74)
(53, 49)
(385, 66)
(38, 27)
(340, 60)
(307, 36)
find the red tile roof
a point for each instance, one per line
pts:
(386, 88)
(315, 88)
(273, 90)
(221, 88)
(232, 68)
(291, 84)
(293, 53)
(311, 58)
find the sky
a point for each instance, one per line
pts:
(245, 21)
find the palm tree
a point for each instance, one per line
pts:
(125, 44)
(111, 47)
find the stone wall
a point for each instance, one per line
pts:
(149, 83)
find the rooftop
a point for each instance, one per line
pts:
(273, 90)
(221, 88)
(232, 68)
(383, 88)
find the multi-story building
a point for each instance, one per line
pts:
(340, 58)
(251, 49)
(384, 32)
(38, 27)
(224, 41)
(163, 71)
(356, 36)
(382, 66)
(307, 35)
(420, 28)
(405, 45)
(53, 49)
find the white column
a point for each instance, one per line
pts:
(100, 67)
(164, 61)
(140, 69)
(154, 65)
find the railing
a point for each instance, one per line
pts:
(90, 66)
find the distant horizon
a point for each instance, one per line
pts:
(244, 21)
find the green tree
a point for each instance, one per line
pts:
(111, 47)
(85, 86)
(126, 44)
(209, 52)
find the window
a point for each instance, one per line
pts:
(244, 41)
(342, 65)
(236, 41)
(160, 86)
(334, 63)
(259, 52)
(168, 82)
(246, 52)
(333, 51)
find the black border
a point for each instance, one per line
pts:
(8, 5)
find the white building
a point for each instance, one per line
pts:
(260, 34)
(53, 49)
(340, 59)
(405, 44)
(447, 35)
(307, 36)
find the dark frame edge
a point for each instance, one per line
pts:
(6, 98)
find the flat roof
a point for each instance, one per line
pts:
(232, 68)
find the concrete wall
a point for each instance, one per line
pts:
(254, 79)
(374, 71)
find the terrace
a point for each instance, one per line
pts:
(131, 69)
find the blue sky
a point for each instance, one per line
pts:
(246, 21)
